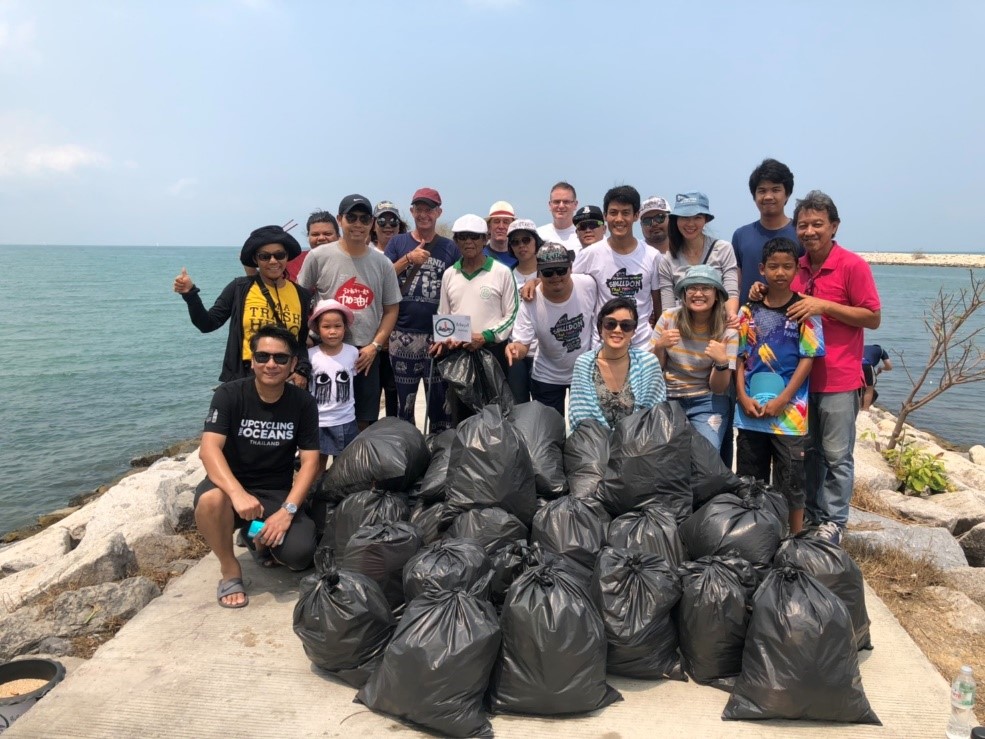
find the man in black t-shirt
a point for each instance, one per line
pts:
(254, 427)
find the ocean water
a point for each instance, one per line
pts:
(105, 364)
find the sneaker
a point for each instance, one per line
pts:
(829, 531)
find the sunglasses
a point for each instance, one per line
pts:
(554, 272)
(466, 236)
(266, 256)
(363, 218)
(589, 225)
(264, 357)
(626, 325)
(521, 240)
(651, 220)
(387, 222)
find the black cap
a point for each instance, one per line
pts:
(588, 213)
(268, 235)
(351, 202)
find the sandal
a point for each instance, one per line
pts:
(230, 587)
(264, 558)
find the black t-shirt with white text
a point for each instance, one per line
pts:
(261, 438)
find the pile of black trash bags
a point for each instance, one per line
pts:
(500, 567)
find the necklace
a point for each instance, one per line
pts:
(615, 359)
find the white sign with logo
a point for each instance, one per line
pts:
(458, 328)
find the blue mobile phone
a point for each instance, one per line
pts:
(255, 527)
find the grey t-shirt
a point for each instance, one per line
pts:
(365, 284)
(721, 257)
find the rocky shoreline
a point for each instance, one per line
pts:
(924, 259)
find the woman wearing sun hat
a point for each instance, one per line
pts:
(697, 350)
(253, 301)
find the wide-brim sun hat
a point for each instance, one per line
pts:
(692, 203)
(701, 274)
(470, 223)
(267, 235)
(324, 306)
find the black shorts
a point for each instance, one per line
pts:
(869, 373)
(758, 452)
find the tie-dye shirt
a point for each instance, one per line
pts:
(771, 342)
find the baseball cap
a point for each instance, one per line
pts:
(470, 223)
(654, 203)
(351, 202)
(552, 253)
(501, 208)
(385, 206)
(588, 213)
(426, 195)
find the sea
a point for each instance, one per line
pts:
(105, 365)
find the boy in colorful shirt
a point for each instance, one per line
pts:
(776, 354)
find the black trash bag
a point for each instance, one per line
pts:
(391, 454)
(436, 668)
(573, 528)
(509, 562)
(729, 522)
(476, 380)
(710, 476)
(636, 593)
(434, 480)
(586, 455)
(364, 508)
(649, 462)
(713, 615)
(490, 466)
(834, 568)
(652, 530)
(766, 496)
(553, 658)
(493, 528)
(343, 620)
(800, 660)
(380, 551)
(542, 430)
(433, 520)
(453, 564)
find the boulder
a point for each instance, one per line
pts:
(936, 543)
(872, 470)
(154, 543)
(132, 499)
(969, 580)
(973, 544)
(968, 506)
(47, 519)
(42, 547)
(178, 498)
(962, 472)
(959, 611)
(977, 455)
(918, 509)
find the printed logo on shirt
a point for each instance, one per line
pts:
(323, 388)
(568, 331)
(486, 292)
(622, 285)
(354, 294)
(213, 416)
(266, 433)
(343, 385)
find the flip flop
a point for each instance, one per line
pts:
(230, 587)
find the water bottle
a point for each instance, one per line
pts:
(962, 705)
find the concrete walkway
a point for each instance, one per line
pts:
(183, 667)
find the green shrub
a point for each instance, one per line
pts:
(918, 471)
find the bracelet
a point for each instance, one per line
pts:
(721, 367)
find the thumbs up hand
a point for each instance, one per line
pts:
(183, 283)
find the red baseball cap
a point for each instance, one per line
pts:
(427, 195)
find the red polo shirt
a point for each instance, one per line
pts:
(846, 279)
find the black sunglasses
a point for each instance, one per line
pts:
(554, 272)
(627, 324)
(469, 236)
(521, 240)
(387, 222)
(266, 256)
(264, 357)
(589, 225)
(651, 220)
(363, 218)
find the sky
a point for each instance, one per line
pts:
(193, 122)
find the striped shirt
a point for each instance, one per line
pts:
(645, 380)
(688, 368)
(488, 295)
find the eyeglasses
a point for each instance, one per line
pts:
(589, 225)
(363, 218)
(690, 289)
(521, 240)
(264, 357)
(467, 236)
(554, 272)
(562, 202)
(626, 325)
(387, 222)
(421, 209)
(266, 256)
(651, 220)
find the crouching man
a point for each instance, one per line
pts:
(253, 429)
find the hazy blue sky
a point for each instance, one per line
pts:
(140, 122)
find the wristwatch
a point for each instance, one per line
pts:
(721, 367)
(379, 347)
(290, 508)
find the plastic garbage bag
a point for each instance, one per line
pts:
(436, 668)
(573, 528)
(433, 484)
(366, 507)
(728, 522)
(800, 660)
(636, 593)
(433, 520)
(493, 528)
(834, 568)
(343, 620)
(651, 530)
(476, 380)
(380, 551)
(586, 455)
(649, 462)
(490, 466)
(766, 496)
(541, 429)
(553, 658)
(391, 454)
(453, 564)
(713, 615)
(710, 476)
(509, 562)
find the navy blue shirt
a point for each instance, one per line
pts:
(872, 354)
(420, 298)
(748, 242)
(506, 257)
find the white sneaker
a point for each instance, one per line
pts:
(829, 531)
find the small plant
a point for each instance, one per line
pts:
(918, 471)
(918, 255)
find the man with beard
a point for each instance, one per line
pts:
(653, 220)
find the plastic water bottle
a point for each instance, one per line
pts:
(962, 705)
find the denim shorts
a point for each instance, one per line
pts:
(333, 439)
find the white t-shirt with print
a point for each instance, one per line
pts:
(566, 236)
(331, 384)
